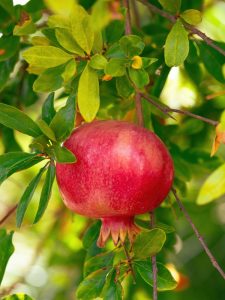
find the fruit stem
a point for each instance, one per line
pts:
(129, 260)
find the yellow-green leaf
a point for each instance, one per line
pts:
(177, 45)
(27, 27)
(88, 94)
(192, 16)
(67, 41)
(46, 56)
(60, 7)
(81, 27)
(213, 187)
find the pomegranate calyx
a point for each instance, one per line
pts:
(118, 227)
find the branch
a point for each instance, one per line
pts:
(167, 109)
(129, 261)
(154, 265)
(191, 28)
(128, 17)
(136, 14)
(8, 214)
(200, 238)
(138, 108)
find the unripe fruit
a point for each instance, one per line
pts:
(122, 170)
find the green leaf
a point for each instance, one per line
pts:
(148, 61)
(9, 141)
(124, 87)
(46, 192)
(99, 261)
(12, 162)
(172, 6)
(100, 16)
(6, 250)
(6, 67)
(60, 7)
(7, 5)
(28, 27)
(112, 290)
(63, 155)
(48, 110)
(132, 45)
(149, 243)
(98, 62)
(91, 235)
(91, 287)
(70, 71)
(191, 16)
(67, 41)
(58, 21)
(98, 42)
(177, 45)
(213, 187)
(88, 98)
(213, 61)
(82, 28)
(160, 225)
(15, 119)
(46, 130)
(18, 297)
(46, 56)
(165, 280)
(63, 122)
(50, 80)
(9, 46)
(139, 77)
(116, 67)
(26, 197)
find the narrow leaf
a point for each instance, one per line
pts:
(26, 197)
(165, 280)
(149, 243)
(46, 56)
(46, 192)
(88, 98)
(6, 250)
(63, 155)
(12, 162)
(15, 119)
(46, 130)
(63, 122)
(48, 110)
(213, 187)
(177, 45)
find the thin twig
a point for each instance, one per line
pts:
(128, 17)
(138, 108)
(8, 214)
(136, 14)
(129, 261)
(153, 259)
(191, 28)
(166, 109)
(200, 238)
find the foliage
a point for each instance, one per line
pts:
(67, 62)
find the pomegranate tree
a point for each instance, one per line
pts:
(122, 170)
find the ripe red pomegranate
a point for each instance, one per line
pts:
(122, 170)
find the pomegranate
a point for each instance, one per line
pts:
(122, 170)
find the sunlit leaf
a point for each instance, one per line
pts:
(88, 98)
(213, 187)
(98, 62)
(172, 6)
(67, 41)
(6, 250)
(177, 45)
(18, 297)
(192, 16)
(46, 56)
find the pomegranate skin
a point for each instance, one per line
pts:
(122, 170)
